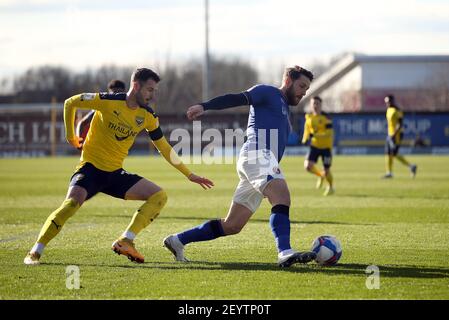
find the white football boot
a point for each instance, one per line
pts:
(32, 259)
(288, 257)
(175, 246)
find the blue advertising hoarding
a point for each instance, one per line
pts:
(370, 130)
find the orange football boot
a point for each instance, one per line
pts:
(126, 247)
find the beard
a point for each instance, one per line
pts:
(291, 97)
(141, 101)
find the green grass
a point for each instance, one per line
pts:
(399, 225)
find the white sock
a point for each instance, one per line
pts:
(38, 247)
(129, 235)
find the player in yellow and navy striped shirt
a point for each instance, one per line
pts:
(395, 118)
(117, 121)
(318, 129)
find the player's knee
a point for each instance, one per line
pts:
(282, 198)
(76, 201)
(66, 210)
(159, 199)
(77, 194)
(152, 207)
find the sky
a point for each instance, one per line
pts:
(267, 33)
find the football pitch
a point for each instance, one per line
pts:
(400, 226)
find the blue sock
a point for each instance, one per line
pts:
(280, 225)
(209, 230)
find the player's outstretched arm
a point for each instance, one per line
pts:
(170, 155)
(226, 101)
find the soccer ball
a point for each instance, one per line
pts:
(328, 250)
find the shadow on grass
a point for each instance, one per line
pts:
(318, 222)
(203, 219)
(389, 271)
(80, 226)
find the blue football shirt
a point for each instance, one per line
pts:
(268, 122)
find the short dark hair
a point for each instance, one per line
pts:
(390, 98)
(116, 84)
(144, 74)
(295, 73)
(317, 98)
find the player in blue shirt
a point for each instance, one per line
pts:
(257, 166)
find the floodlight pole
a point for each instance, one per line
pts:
(206, 66)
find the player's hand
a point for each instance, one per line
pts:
(77, 142)
(391, 142)
(203, 182)
(195, 111)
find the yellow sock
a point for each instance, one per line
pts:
(315, 171)
(56, 220)
(147, 212)
(389, 163)
(402, 160)
(330, 178)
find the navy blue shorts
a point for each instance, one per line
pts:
(115, 183)
(325, 154)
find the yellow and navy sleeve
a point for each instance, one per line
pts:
(165, 149)
(329, 125)
(152, 125)
(79, 101)
(154, 131)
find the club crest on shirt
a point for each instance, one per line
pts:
(139, 120)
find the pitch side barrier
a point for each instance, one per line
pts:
(365, 133)
(34, 130)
